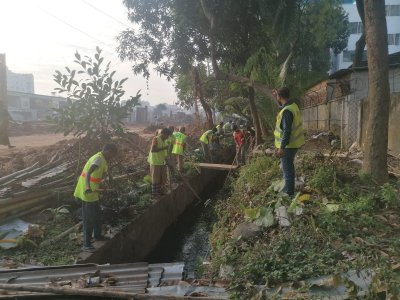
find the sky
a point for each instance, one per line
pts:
(41, 36)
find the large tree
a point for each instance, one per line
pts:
(256, 43)
(376, 144)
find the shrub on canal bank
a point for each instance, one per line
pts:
(343, 222)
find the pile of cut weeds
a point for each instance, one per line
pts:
(342, 221)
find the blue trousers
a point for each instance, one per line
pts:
(91, 221)
(287, 162)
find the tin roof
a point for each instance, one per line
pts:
(129, 277)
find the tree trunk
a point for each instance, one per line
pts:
(264, 129)
(198, 92)
(360, 44)
(254, 114)
(376, 143)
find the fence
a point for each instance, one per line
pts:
(346, 116)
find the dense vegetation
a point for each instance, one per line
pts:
(347, 223)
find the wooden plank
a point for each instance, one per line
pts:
(220, 167)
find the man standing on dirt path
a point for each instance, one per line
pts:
(87, 190)
(179, 147)
(206, 139)
(289, 136)
(157, 156)
(5, 119)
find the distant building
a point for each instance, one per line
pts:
(26, 107)
(344, 59)
(17, 82)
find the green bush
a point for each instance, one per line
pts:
(95, 107)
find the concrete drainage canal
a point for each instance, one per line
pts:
(175, 228)
(187, 239)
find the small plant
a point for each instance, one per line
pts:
(95, 107)
(389, 195)
(324, 180)
(57, 212)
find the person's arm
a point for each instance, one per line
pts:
(154, 146)
(87, 179)
(286, 125)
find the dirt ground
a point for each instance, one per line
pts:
(36, 146)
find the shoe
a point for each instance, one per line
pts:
(89, 249)
(101, 238)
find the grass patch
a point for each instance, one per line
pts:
(362, 232)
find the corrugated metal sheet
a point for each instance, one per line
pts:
(172, 271)
(130, 277)
(188, 290)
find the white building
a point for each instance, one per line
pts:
(345, 59)
(23, 83)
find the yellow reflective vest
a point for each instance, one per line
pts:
(158, 158)
(297, 134)
(227, 126)
(206, 137)
(96, 177)
(180, 139)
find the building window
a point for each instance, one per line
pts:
(392, 10)
(348, 55)
(356, 27)
(394, 39)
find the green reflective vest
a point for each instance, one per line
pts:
(96, 177)
(297, 134)
(206, 137)
(180, 139)
(158, 158)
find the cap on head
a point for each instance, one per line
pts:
(110, 149)
(165, 132)
(284, 92)
(182, 129)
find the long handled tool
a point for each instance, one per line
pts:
(186, 182)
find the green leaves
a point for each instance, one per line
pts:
(261, 216)
(94, 100)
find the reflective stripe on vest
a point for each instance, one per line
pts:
(297, 132)
(205, 137)
(96, 177)
(180, 139)
(91, 178)
(158, 158)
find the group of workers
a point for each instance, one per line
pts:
(167, 149)
(244, 140)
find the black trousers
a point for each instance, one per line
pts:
(91, 221)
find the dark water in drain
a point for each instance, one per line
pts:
(187, 239)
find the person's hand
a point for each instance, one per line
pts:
(280, 152)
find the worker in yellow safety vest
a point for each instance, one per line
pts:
(157, 156)
(87, 190)
(220, 128)
(289, 136)
(170, 140)
(179, 147)
(227, 126)
(206, 139)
